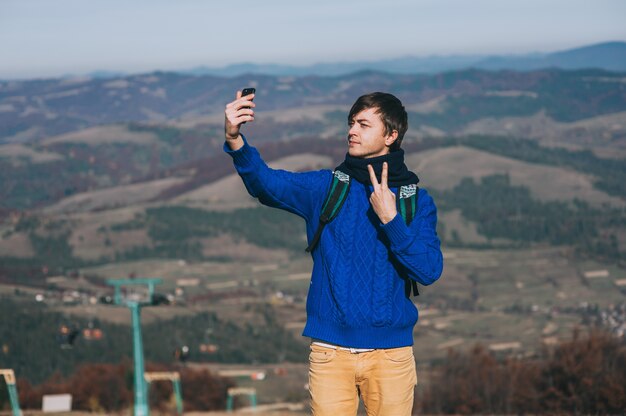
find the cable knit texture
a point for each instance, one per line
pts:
(356, 296)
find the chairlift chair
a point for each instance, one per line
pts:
(67, 335)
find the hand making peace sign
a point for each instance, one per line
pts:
(382, 199)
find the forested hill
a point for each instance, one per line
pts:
(553, 142)
(33, 110)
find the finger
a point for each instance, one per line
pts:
(372, 176)
(239, 105)
(243, 102)
(242, 119)
(240, 102)
(243, 112)
(383, 177)
(232, 115)
(237, 122)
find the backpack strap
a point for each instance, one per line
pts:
(407, 207)
(407, 202)
(334, 200)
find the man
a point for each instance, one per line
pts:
(359, 318)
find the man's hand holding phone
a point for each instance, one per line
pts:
(237, 113)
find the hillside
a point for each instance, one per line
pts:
(554, 189)
(34, 110)
(546, 183)
(527, 170)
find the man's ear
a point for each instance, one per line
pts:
(391, 138)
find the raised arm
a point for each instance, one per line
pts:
(299, 193)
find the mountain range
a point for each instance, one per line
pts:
(37, 109)
(610, 56)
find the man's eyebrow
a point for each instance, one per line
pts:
(359, 120)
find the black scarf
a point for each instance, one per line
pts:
(399, 174)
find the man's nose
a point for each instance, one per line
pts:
(352, 130)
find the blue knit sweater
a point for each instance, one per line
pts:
(356, 296)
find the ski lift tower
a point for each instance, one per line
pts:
(9, 378)
(135, 301)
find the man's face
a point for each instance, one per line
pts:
(366, 136)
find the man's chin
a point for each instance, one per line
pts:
(353, 152)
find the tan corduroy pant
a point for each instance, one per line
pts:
(385, 380)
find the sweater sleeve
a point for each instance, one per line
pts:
(295, 192)
(417, 246)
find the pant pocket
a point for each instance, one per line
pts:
(321, 355)
(399, 355)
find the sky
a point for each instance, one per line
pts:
(43, 38)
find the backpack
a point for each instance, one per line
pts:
(406, 201)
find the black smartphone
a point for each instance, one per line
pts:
(247, 91)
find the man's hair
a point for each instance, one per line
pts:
(391, 111)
